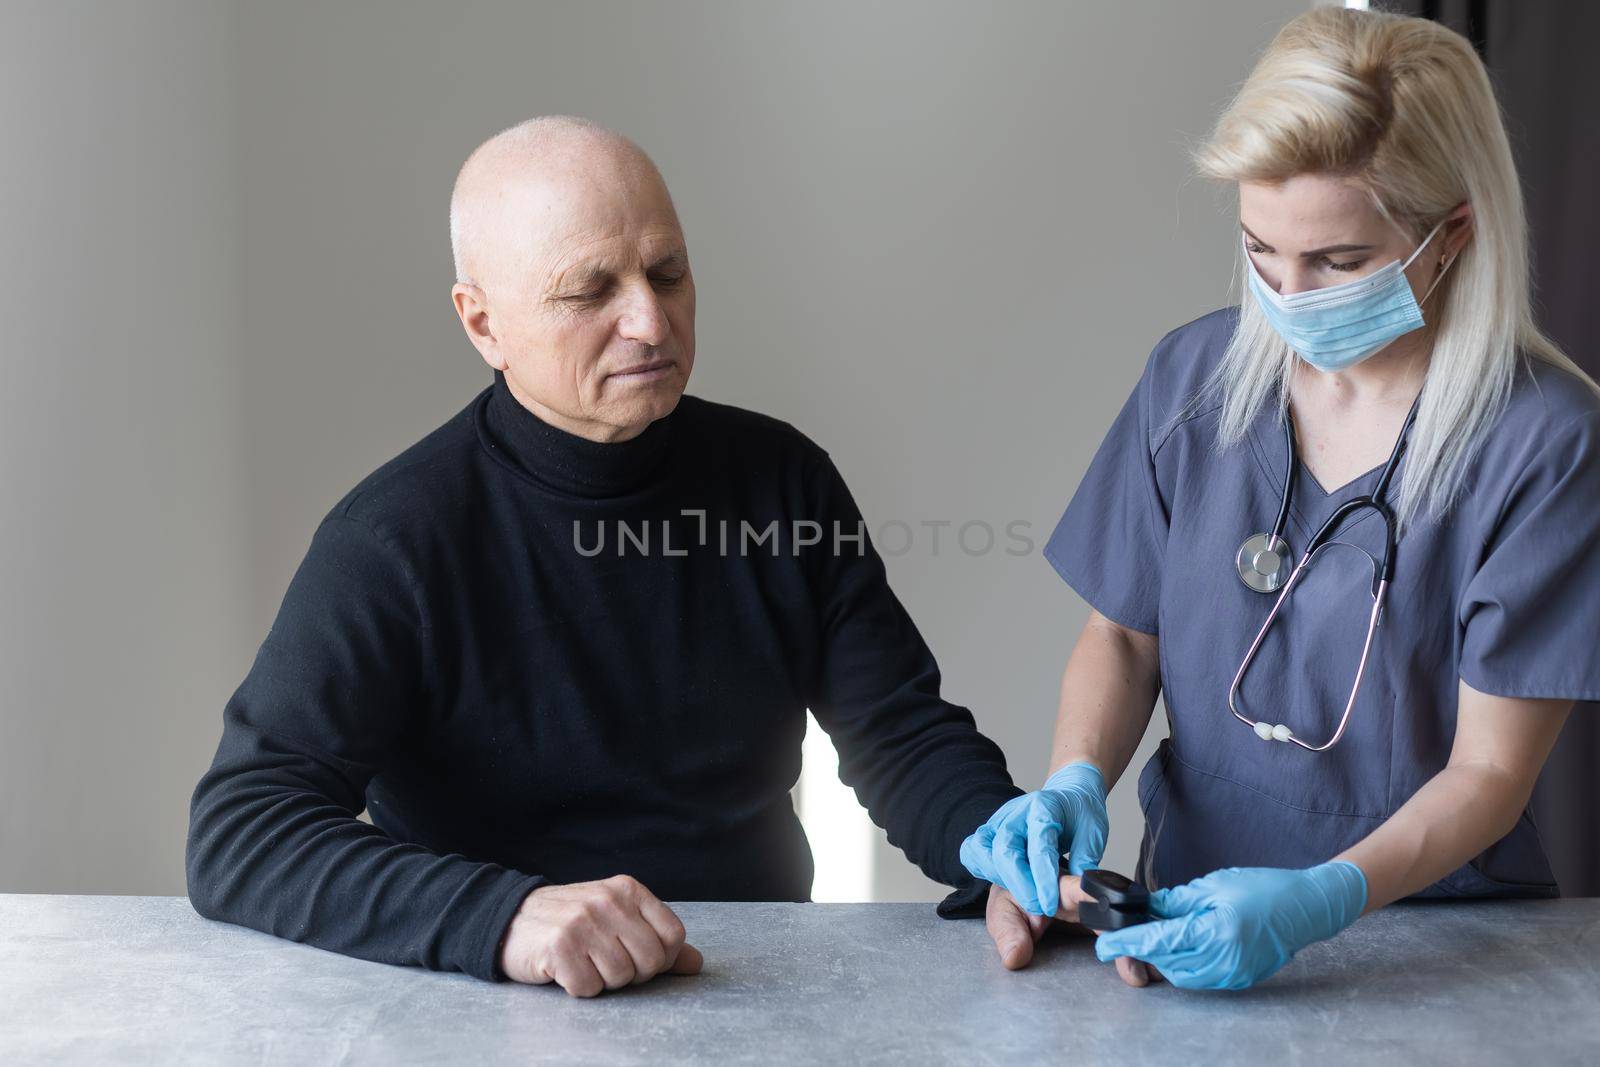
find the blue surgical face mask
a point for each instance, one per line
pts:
(1340, 325)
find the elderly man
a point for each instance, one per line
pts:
(561, 649)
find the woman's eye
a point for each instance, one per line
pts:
(1255, 248)
(1331, 265)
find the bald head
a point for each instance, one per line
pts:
(572, 277)
(521, 188)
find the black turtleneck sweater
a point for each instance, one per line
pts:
(516, 701)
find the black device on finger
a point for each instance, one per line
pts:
(1118, 902)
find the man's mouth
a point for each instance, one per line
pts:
(644, 372)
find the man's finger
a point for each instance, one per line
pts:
(689, 961)
(1132, 972)
(662, 919)
(612, 959)
(1071, 893)
(1008, 928)
(576, 974)
(643, 944)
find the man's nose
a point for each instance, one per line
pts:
(644, 320)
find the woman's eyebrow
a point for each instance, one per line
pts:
(1331, 249)
(1315, 252)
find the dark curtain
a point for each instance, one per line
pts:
(1540, 55)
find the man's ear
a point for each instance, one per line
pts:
(472, 308)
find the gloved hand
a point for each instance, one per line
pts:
(1234, 927)
(1019, 848)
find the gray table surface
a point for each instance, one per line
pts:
(144, 979)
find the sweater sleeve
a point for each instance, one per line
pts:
(915, 760)
(274, 842)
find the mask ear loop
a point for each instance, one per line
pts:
(1437, 279)
(1426, 241)
(1448, 263)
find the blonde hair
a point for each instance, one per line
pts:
(1402, 107)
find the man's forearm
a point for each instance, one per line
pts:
(1107, 693)
(924, 773)
(273, 845)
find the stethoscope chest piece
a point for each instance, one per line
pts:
(1264, 562)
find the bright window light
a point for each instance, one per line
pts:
(840, 832)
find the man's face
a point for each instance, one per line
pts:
(593, 323)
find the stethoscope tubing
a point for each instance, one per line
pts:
(1384, 573)
(1376, 500)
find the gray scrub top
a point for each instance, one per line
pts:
(1504, 594)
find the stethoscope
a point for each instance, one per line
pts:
(1263, 564)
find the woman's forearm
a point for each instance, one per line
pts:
(1501, 743)
(1457, 814)
(1107, 693)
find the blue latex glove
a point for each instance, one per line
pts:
(1234, 927)
(1020, 846)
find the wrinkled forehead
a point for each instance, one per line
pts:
(613, 220)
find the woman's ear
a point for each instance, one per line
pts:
(1457, 232)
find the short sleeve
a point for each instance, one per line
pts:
(1111, 540)
(1531, 611)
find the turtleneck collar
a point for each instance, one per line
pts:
(565, 462)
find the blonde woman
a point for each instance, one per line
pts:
(1350, 530)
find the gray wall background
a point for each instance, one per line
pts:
(940, 238)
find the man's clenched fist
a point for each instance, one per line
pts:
(593, 936)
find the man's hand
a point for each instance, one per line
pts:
(593, 936)
(1014, 930)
